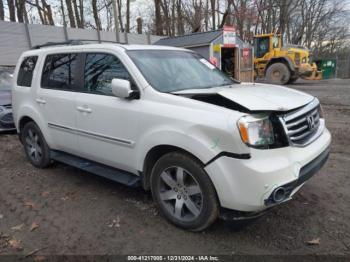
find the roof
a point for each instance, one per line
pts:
(105, 46)
(195, 39)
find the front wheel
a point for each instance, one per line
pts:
(35, 146)
(278, 73)
(183, 192)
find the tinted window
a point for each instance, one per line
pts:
(59, 71)
(100, 69)
(25, 74)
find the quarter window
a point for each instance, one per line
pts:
(99, 71)
(25, 74)
(59, 71)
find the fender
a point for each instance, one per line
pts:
(280, 59)
(196, 141)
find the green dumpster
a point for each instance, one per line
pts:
(328, 67)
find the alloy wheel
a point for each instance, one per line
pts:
(33, 146)
(180, 194)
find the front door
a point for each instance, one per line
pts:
(107, 125)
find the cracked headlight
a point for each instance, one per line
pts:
(256, 130)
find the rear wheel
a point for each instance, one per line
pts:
(278, 73)
(183, 192)
(35, 146)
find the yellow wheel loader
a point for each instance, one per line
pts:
(282, 65)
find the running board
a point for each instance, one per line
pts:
(111, 173)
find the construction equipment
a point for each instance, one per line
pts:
(282, 65)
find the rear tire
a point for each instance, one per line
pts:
(35, 146)
(278, 74)
(184, 192)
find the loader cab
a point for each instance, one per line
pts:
(264, 44)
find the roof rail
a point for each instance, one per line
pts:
(73, 42)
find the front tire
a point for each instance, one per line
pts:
(184, 192)
(35, 146)
(278, 73)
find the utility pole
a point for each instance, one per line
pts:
(116, 25)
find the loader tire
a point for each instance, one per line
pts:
(278, 74)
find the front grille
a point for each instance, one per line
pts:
(301, 126)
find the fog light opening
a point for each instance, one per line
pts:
(279, 195)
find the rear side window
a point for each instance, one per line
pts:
(59, 72)
(99, 71)
(25, 74)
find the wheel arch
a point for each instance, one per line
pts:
(152, 157)
(28, 114)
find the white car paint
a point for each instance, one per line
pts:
(136, 126)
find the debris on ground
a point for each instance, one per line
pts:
(17, 228)
(115, 222)
(34, 251)
(31, 205)
(33, 226)
(45, 194)
(314, 242)
(15, 244)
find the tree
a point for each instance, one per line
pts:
(127, 26)
(2, 13)
(12, 10)
(70, 13)
(95, 14)
(158, 18)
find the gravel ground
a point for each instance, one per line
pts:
(62, 210)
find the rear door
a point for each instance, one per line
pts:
(57, 97)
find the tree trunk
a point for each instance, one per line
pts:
(180, 23)
(127, 16)
(2, 14)
(212, 2)
(120, 17)
(81, 9)
(158, 18)
(95, 13)
(139, 25)
(48, 12)
(20, 10)
(12, 12)
(42, 17)
(70, 13)
(77, 14)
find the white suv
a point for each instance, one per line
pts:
(168, 120)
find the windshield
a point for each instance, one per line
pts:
(171, 71)
(5, 81)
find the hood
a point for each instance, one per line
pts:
(5, 98)
(258, 97)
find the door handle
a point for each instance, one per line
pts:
(84, 109)
(40, 101)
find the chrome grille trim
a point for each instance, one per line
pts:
(298, 129)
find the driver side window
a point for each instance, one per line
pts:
(99, 70)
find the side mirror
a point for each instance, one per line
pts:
(121, 88)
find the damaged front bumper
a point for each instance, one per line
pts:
(247, 186)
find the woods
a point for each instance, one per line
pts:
(317, 24)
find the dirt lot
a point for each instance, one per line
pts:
(62, 210)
